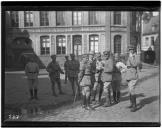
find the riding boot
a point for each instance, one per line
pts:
(84, 102)
(35, 94)
(114, 96)
(100, 94)
(134, 108)
(107, 103)
(131, 101)
(118, 96)
(53, 91)
(31, 94)
(60, 89)
(94, 95)
(88, 103)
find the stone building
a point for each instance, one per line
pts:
(65, 32)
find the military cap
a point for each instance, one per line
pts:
(131, 47)
(92, 52)
(106, 52)
(52, 56)
(84, 55)
(98, 54)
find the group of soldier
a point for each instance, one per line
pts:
(93, 75)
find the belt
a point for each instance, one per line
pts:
(87, 74)
(33, 72)
(132, 67)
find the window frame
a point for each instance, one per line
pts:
(62, 15)
(77, 18)
(117, 19)
(63, 38)
(28, 20)
(94, 13)
(94, 41)
(117, 46)
(44, 18)
(45, 48)
(14, 18)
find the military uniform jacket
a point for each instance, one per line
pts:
(32, 70)
(73, 68)
(132, 64)
(54, 70)
(85, 73)
(108, 70)
(66, 65)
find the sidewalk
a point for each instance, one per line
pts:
(17, 95)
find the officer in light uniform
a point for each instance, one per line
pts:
(54, 71)
(66, 64)
(107, 77)
(132, 76)
(84, 80)
(32, 71)
(73, 70)
(98, 82)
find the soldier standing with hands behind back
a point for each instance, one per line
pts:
(54, 73)
(32, 71)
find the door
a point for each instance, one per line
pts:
(77, 45)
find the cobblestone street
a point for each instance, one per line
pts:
(61, 108)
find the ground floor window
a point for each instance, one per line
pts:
(117, 44)
(45, 45)
(94, 43)
(61, 44)
(77, 44)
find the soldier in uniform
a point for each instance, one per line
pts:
(116, 80)
(66, 68)
(73, 70)
(132, 76)
(32, 71)
(54, 73)
(107, 77)
(84, 80)
(99, 69)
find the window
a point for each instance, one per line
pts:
(60, 18)
(44, 20)
(61, 44)
(93, 42)
(77, 18)
(93, 18)
(117, 18)
(28, 18)
(14, 18)
(117, 44)
(45, 45)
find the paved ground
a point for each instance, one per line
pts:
(49, 108)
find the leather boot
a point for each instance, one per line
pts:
(60, 89)
(134, 108)
(35, 94)
(115, 96)
(84, 102)
(118, 96)
(53, 91)
(94, 95)
(107, 103)
(131, 101)
(31, 94)
(88, 103)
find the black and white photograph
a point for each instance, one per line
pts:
(80, 65)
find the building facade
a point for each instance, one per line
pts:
(65, 32)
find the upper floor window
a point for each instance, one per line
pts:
(61, 44)
(44, 18)
(93, 18)
(94, 43)
(117, 18)
(117, 44)
(28, 18)
(77, 18)
(45, 45)
(60, 18)
(14, 18)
